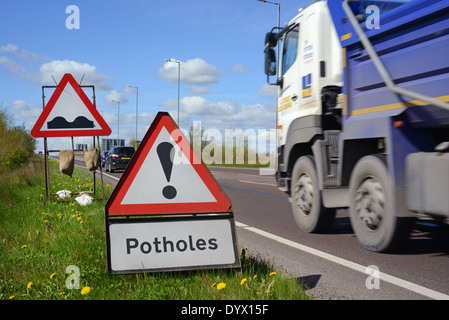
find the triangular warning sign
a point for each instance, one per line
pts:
(165, 176)
(69, 113)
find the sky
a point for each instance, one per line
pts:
(118, 43)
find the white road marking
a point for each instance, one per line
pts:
(349, 264)
(263, 183)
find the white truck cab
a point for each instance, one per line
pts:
(309, 80)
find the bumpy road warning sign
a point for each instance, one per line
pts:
(69, 113)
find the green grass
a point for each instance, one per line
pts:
(40, 247)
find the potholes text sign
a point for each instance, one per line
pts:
(163, 244)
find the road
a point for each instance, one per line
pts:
(333, 265)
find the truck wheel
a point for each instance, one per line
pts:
(308, 210)
(372, 204)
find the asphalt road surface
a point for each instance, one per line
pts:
(334, 265)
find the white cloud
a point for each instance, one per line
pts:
(238, 68)
(113, 96)
(24, 113)
(54, 68)
(222, 114)
(199, 89)
(88, 73)
(15, 69)
(195, 71)
(268, 90)
(23, 54)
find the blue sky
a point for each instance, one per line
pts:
(219, 43)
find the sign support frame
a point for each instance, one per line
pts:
(48, 194)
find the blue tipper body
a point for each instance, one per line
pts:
(412, 41)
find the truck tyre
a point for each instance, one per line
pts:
(307, 206)
(372, 206)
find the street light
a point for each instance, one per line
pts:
(277, 91)
(179, 77)
(118, 121)
(137, 99)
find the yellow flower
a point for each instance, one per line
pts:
(11, 297)
(81, 222)
(243, 281)
(272, 273)
(24, 246)
(255, 276)
(221, 286)
(79, 218)
(213, 285)
(29, 285)
(85, 290)
(52, 275)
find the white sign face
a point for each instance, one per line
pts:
(137, 245)
(150, 179)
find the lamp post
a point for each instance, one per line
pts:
(179, 77)
(118, 120)
(137, 99)
(277, 91)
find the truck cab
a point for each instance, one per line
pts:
(309, 84)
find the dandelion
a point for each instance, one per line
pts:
(24, 246)
(213, 285)
(11, 297)
(85, 290)
(272, 273)
(255, 276)
(52, 275)
(81, 222)
(79, 218)
(221, 286)
(243, 281)
(29, 284)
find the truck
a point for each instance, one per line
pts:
(363, 115)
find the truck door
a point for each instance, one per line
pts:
(289, 91)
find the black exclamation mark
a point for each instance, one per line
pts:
(166, 153)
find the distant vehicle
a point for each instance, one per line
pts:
(104, 155)
(118, 158)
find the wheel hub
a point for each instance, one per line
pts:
(370, 203)
(303, 194)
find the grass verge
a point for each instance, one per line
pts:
(59, 252)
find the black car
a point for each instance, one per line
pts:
(118, 158)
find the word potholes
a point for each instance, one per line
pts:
(164, 245)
